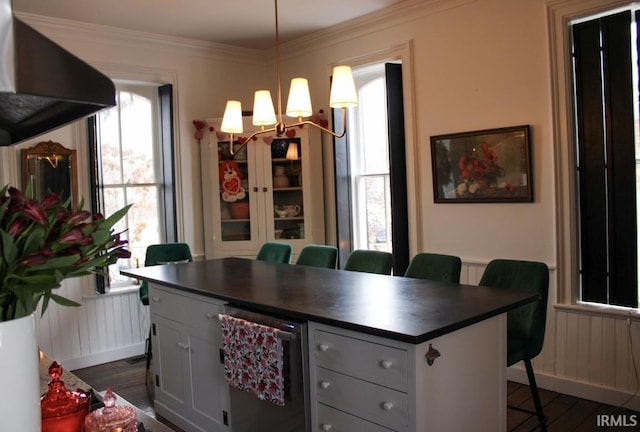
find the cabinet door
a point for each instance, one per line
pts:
(169, 345)
(235, 194)
(208, 383)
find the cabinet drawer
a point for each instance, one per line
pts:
(204, 315)
(168, 304)
(381, 405)
(366, 360)
(333, 420)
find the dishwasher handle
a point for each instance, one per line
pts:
(282, 334)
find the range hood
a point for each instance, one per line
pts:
(43, 86)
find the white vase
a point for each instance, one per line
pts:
(19, 375)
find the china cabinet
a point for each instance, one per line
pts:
(268, 190)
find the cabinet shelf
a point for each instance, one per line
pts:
(287, 189)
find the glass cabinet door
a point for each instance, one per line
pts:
(233, 176)
(286, 169)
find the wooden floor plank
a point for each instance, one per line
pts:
(564, 413)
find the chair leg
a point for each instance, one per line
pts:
(536, 396)
(147, 350)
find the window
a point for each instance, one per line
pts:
(129, 168)
(370, 162)
(607, 173)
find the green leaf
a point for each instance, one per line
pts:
(35, 240)
(63, 301)
(9, 250)
(114, 218)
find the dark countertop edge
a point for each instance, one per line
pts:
(292, 314)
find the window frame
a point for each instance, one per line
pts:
(560, 13)
(164, 162)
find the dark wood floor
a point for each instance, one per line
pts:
(564, 413)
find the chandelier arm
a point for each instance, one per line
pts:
(249, 138)
(322, 128)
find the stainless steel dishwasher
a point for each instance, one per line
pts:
(251, 414)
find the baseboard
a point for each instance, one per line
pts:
(102, 357)
(582, 390)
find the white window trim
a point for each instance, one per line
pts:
(560, 13)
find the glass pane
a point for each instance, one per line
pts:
(373, 109)
(114, 199)
(109, 127)
(235, 212)
(137, 138)
(377, 213)
(286, 168)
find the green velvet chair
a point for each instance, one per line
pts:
(275, 252)
(526, 324)
(318, 256)
(159, 254)
(436, 267)
(369, 261)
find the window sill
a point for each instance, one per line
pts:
(122, 290)
(600, 310)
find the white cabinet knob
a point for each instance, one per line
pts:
(323, 347)
(326, 427)
(211, 315)
(155, 299)
(325, 384)
(182, 345)
(386, 364)
(387, 406)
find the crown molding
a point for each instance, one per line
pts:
(114, 36)
(374, 22)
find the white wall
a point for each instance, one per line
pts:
(470, 64)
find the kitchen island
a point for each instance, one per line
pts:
(384, 353)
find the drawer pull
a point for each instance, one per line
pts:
(156, 299)
(387, 406)
(386, 364)
(325, 384)
(211, 315)
(323, 347)
(326, 427)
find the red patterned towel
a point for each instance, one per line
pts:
(253, 358)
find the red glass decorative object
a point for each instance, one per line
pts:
(63, 410)
(111, 418)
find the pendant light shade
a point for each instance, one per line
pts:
(232, 119)
(263, 112)
(299, 102)
(343, 89)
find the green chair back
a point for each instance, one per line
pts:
(526, 324)
(369, 261)
(436, 267)
(275, 252)
(318, 256)
(163, 253)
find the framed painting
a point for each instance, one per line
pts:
(485, 166)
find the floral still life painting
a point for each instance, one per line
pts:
(490, 165)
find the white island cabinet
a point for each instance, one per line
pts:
(368, 383)
(190, 388)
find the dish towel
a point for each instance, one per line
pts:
(253, 358)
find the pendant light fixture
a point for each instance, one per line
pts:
(343, 95)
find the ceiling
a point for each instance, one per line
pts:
(245, 23)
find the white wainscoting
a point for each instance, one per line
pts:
(104, 328)
(586, 353)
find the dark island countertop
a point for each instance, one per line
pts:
(403, 309)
